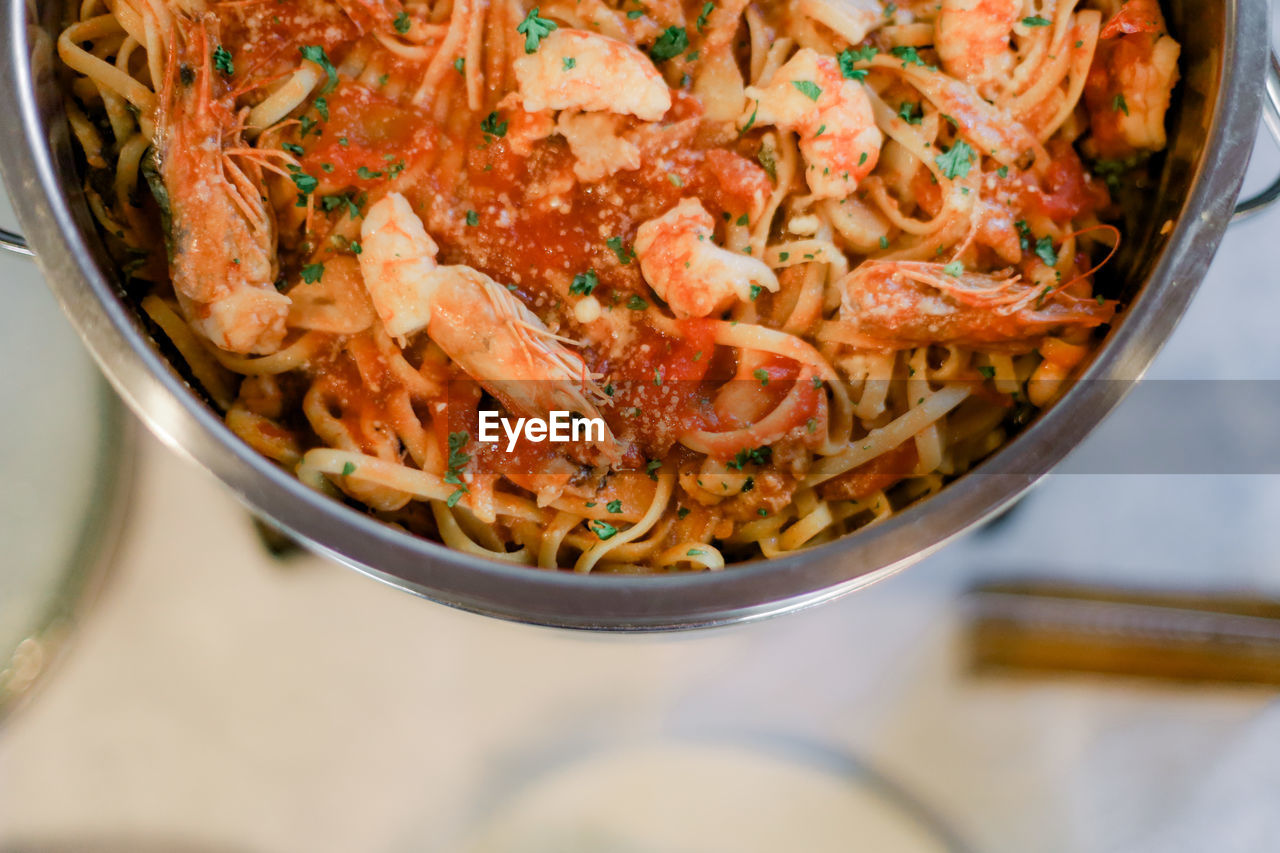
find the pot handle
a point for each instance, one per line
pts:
(1271, 118)
(14, 243)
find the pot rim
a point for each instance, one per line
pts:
(32, 166)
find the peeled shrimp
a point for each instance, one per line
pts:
(477, 322)
(689, 271)
(221, 232)
(833, 117)
(972, 39)
(1131, 81)
(577, 70)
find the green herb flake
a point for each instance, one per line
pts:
(808, 88)
(401, 23)
(987, 371)
(909, 56)
(603, 530)
(473, 218)
(568, 63)
(682, 512)
(348, 469)
(584, 283)
(1044, 250)
(956, 161)
(535, 29)
(755, 291)
(315, 53)
(884, 242)
(623, 253)
(492, 126)
(637, 303)
(1036, 21)
(673, 42)
(707, 8)
(651, 468)
(910, 112)
(1118, 104)
(222, 61)
(312, 273)
(614, 506)
(761, 374)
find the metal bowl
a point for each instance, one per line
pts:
(1212, 129)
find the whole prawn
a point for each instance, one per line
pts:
(913, 303)
(476, 321)
(221, 233)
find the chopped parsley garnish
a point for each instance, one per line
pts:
(348, 469)
(694, 552)
(956, 161)
(707, 8)
(602, 529)
(682, 512)
(910, 112)
(401, 23)
(1003, 171)
(1118, 104)
(750, 121)
(311, 273)
(614, 506)
(306, 183)
(333, 202)
(808, 88)
(755, 291)
(744, 219)
(624, 253)
(884, 242)
(987, 371)
(761, 374)
(1036, 21)
(491, 126)
(473, 218)
(651, 468)
(673, 42)
(848, 57)
(222, 61)
(456, 496)
(293, 148)
(1024, 234)
(637, 303)
(356, 248)
(954, 269)
(909, 56)
(322, 107)
(584, 283)
(568, 63)
(366, 174)
(762, 512)
(535, 29)
(757, 455)
(315, 53)
(748, 484)
(457, 461)
(1044, 250)
(634, 14)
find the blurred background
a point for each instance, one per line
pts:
(216, 698)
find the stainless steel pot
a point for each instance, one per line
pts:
(1212, 129)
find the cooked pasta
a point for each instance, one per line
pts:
(792, 266)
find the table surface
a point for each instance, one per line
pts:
(223, 700)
